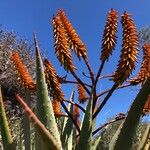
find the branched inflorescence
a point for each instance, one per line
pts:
(109, 37)
(53, 81)
(144, 72)
(74, 40)
(62, 49)
(129, 50)
(22, 72)
(81, 93)
(56, 108)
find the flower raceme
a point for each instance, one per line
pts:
(56, 108)
(74, 40)
(76, 112)
(22, 72)
(62, 49)
(144, 72)
(52, 80)
(109, 37)
(129, 50)
(81, 93)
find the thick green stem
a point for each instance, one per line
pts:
(105, 100)
(26, 125)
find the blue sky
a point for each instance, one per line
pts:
(88, 18)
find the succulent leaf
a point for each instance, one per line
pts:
(85, 141)
(4, 127)
(132, 119)
(44, 106)
(45, 134)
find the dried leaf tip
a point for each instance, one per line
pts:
(53, 81)
(61, 46)
(109, 37)
(22, 72)
(129, 50)
(144, 72)
(81, 94)
(146, 109)
(74, 40)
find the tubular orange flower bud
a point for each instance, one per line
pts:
(81, 93)
(56, 108)
(76, 112)
(129, 50)
(109, 37)
(144, 72)
(22, 72)
(51, 76)
(62, 49)
(146, 109)
(74, 40)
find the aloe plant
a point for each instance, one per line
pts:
(58, 129)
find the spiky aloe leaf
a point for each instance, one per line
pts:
(4, 127)
(114, 138)
(44, 106)
(45, 134)
(85, 141)
(144, 138)
(124, 141)
(65, 119)
(67, 135)
(96, 143)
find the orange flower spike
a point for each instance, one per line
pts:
(144, 72)
(129, 50)
(56, 108)
(22, 72)
(109, 37)
(74, 40)
(62, 49)
(53, 80)
(76, 112)
(81, 94)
